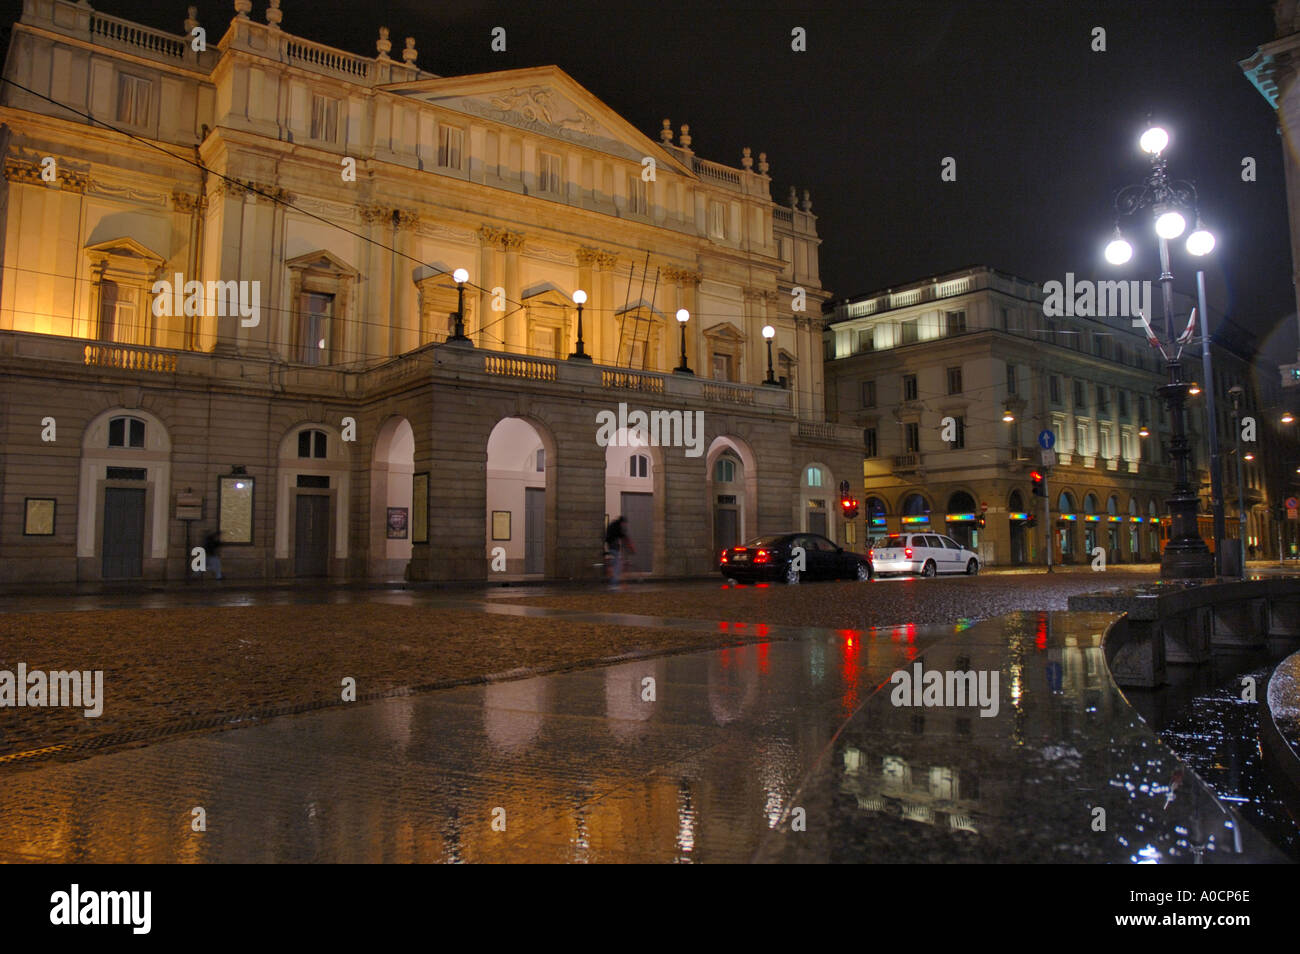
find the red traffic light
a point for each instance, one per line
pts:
(1035, 476)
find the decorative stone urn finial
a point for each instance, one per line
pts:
(242, 8)
(794, 198)
(806, 204)
(746, 160)
(762, 163)
(685, 137)
(666, 134)
(274, 14)
(410, 53)
(192, 20)
(383, 44)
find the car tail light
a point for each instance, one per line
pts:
(908, 552)
(724, 556)
(871, 554)
(761, 556)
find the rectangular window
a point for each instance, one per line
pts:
(722, 367)
(133, 95)
(126, 473)
(549, 177)
(868, 393)
(1082, 441)
(1006, 321)
(1103, 400)
(314, 312)
(954, 380)
(956, 323)
(913, 438)
(451, 142)
(909, 387)
(910, 331)
(869, 445)
(638, 195)
(1080, 399)
(324, 118)
(1054, 388)
(314, 481)
(959, 442)
(1011, 379)
(1123, 403)
(717, 220)
(866, 340)
(1142, 411)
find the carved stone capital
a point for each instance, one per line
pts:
(18, 170)
(373, 214)
(406, 219)
(490, 236)
(512, 242)
(184, 202)
(74, 181)
(682, 276)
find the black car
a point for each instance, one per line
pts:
(775, 557)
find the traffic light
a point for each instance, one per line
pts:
(849, 506)
(1037, 479)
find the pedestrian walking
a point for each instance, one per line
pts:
(212, 552)
(617, 543)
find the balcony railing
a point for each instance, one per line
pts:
(126, 33)
(727, 395)
(632, 381)
(535, 369)
(130, 358)
(905, 462)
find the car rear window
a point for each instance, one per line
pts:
(893, 540)
(764, 542)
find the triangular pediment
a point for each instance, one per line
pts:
(725, 331)
(322, 261)
(125, 247)
(544, 100)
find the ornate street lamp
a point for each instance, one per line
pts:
(769, 333)
(458, 335)
(683, 316)
(579, 298)
(1186, 555)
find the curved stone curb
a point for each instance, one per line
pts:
(1279, 727)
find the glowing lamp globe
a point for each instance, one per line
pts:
(769, 332)
(460, 275)
(683, 315)
(1200, 242)
(580, 297)
(1118, 251)
(1170, 225)
(1154, 141)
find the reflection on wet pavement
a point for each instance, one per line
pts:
(696, 757)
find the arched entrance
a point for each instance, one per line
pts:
(516, 530)
(915, 512)
(125, 490)
(1090, 522)
(960, 520)
(1113, 553)
(877, 517)
(1153, 531)
(1065, 521)
(314, 486)
(630, 479)
(392, 531)
(817, 492)
(732, 487)
(1134, 531)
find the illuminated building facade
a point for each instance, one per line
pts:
(228, 292)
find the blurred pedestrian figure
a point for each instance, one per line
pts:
(617, 543)
(212, 551)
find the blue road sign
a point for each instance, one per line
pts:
(1046, 440)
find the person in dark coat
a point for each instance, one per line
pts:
(617, 543)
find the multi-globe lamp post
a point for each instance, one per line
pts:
(1186, 555)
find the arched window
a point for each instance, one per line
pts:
(915, 505)
(638, 465)
(312, 443)
(1065, 503)
(125, 432)
(814, 476)
(724, 471)
(1090, 503)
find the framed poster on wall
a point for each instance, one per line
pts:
(397, 522)
(500, 524)
(235, 508)
(38, 517)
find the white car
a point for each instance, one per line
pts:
(928, 554)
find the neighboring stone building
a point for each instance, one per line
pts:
(311, 408)
(1272, 68)
(975, 346)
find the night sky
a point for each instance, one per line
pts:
(1044, 130)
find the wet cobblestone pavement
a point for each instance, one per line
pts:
(582, 766)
